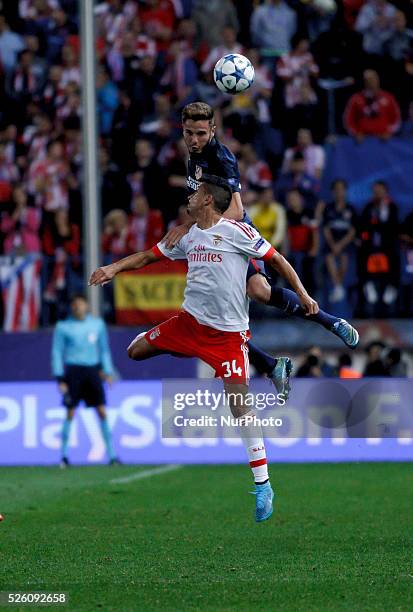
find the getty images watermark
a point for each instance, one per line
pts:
(326, 408)
(204, 408)
(207, 398)
(217, 400)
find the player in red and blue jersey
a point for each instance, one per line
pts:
(208, 156)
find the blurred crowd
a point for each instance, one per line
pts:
(379, 360)
(155, 56)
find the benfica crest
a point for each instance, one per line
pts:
(217, 239)
(198, 172)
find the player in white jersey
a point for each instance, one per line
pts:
(215, 291)
(213, 322)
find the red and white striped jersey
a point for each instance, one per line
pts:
(20, 290)
(218, 258)
(55, 193)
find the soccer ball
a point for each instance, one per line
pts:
(233, 73)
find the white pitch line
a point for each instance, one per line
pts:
(146, 474)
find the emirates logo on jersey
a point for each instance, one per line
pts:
(198, 172)
(204, 257)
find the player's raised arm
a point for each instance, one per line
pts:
(281, 265)
(248, 241)
(104, 275)
(235, 209)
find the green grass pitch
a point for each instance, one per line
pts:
(340, 538)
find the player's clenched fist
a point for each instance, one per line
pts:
(175, 234)
(102, 275)
(310, 306)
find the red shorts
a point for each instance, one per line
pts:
(225, 351)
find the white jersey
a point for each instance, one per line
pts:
(215, 292)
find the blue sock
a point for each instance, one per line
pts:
(262, 362)
(65, 436)
(107, 438)
(288, 301)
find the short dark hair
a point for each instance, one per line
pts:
(296, 39)
(51, 143)
(294, 190)
(71, 123)
(382, 184)
(23, 52)
(394, 355)
(219, 189)
(77, 296)
(198, 111)
(344, 360)
(375, 343)
(313, 361)
(337, 181)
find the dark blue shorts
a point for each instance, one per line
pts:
(256, 266)
(85, 384)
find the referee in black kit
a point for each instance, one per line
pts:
(81, 360)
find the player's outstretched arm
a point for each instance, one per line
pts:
(281, 265)
(104, 275)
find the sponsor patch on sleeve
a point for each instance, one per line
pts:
(258, 244)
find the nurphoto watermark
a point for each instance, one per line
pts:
(325, 408)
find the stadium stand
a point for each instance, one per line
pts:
(333, 88)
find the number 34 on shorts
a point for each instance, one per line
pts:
(231, 369)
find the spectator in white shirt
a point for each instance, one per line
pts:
(10, 46)
(272, 26)
(229, 45)
(375, 22)
(71, 68)
(297, 69)
(314, 155)
(211, 16)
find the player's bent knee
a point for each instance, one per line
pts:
(133, 352)
(258, 289)
(101, 412)
(134, 349)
